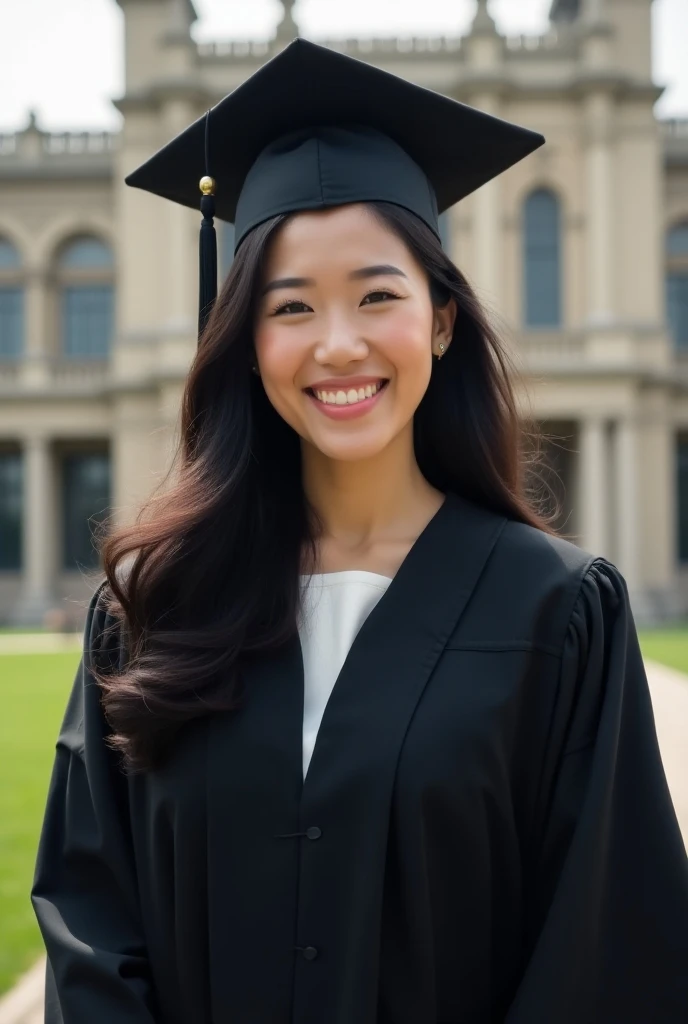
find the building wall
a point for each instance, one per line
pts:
(605, 381)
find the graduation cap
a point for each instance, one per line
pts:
(313, 128)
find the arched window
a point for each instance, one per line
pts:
(542, 259)
(85, 275)
(11, 302)
(677, 283)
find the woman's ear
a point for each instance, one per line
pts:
(443, 326)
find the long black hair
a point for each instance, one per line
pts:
(213, 561)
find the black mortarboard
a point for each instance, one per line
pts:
(314, 128)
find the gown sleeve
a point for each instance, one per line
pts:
(85, 889)
(607, 906)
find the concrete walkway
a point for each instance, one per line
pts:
(669, 689)
(24, 1004)
(39, 643)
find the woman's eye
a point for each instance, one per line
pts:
(292, 307)
(379, 296)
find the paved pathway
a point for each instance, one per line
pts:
(24, 1004)
(39, 643)
(669, 689)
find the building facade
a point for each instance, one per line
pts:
(580, 252)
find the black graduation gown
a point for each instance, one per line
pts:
(484, 834)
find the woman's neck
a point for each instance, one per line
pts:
(371, 510)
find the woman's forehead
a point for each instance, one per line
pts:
(337, 235)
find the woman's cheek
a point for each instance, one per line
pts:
(277, 354)
(404, 338)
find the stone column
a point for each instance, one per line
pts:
(181, 256)
(592, 485)
(487, 250)
(39, 555)
(36, 361)
(484, 55)
(599, 170)
(626, 455)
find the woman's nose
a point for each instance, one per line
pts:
(340, 343)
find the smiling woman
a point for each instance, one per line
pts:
(355, 738)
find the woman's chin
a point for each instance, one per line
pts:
(349, 449)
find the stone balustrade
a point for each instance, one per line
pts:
(233, 49)
(37, 144)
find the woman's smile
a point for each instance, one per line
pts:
(346, 403)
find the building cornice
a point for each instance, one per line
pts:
(191, 9)
(29, 173)
(155, 95)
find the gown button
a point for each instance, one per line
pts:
(314, 832)
(310, 952)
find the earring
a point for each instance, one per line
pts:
(255, 370)
(441, 347)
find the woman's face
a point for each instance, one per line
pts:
(345, 331)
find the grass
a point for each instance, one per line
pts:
(33, 694)
(13, 630)
(669, 646)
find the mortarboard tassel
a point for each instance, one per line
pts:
(207, 244)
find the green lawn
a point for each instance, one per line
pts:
(33, 694)
(668, 646)
(13, 630)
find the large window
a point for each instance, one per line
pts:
(11, 302)
(677, 283)
(86, 299)
(85, 503)
(542, 259)
(10, 511)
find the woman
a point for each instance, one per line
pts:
(355, 738)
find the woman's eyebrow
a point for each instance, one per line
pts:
(376, 271)
(288, 282)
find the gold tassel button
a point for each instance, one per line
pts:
(207, 185)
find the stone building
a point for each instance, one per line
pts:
(581, 252)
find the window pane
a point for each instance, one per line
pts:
(11, 322)
(87, 319)
(677, 240)
(9, 257)
(541, 260)
(682, 496)
(85, 502)
(10, 512)
(677, 308)
(86, 254)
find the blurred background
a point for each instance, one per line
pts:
(580, 252)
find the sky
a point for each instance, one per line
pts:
(70, 63)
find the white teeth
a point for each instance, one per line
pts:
(350, 397)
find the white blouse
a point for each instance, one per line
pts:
(334, 606)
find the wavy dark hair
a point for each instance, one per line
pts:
(209, 572)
